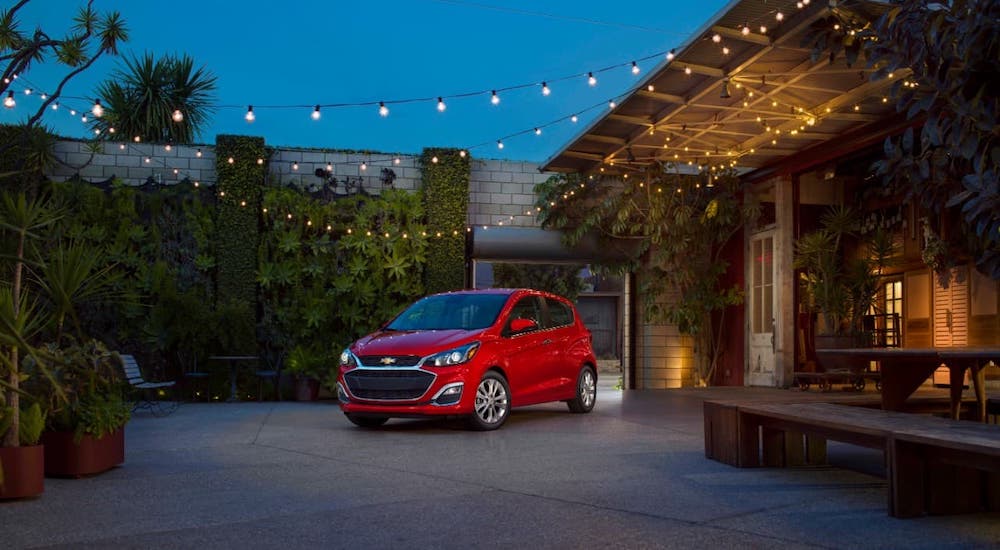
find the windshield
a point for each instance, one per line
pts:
(450, 311)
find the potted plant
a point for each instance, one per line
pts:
(21, 320)
(839, 277)
(309, 365)
(24, 463)
(85, 428)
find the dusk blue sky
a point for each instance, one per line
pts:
(300, 52)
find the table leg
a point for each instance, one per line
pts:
(232, 382)
(900, 378)
(957, 374)
(979, 385)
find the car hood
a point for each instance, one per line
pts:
(420, 343)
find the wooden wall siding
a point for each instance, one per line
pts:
(917, 309)
(984, 318)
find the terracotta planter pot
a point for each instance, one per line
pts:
(64, 457)
(23, 471)
(306, 389)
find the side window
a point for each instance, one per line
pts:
(560, 314)
(525, 308)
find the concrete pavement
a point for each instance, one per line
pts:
(632, 474)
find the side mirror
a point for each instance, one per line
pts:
(521, 325)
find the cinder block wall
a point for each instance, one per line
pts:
(500, 191)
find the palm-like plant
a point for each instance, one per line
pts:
(143, 98)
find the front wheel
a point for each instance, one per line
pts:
(492, 403)
(366, 421)
(586, 392)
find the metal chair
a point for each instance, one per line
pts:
(147, 393)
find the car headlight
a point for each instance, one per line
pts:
(455, 356)
(347, 359)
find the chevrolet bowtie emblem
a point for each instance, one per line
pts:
(388, 360)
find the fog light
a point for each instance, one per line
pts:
(341, 394)
(449, 395)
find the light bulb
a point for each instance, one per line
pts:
(462, 153)
(83, 118)
(494, 98)
(295, 166)
(178, 116)
(198, 153)
(434, 159)
(364, 166)
(725, 50)
(545, 89)
(745, 30)
(499, 144)
(27, 91)
(651, 88)
(55, 106)
(612, 104)
(250, 116)
(591, 80)
(8, 101)
(72, 112)
(329, 167)
(687, 71)
(763, 29)
(779, 16)
(382, 109)
(635, 68)
(538, 131)
(137, 139)
(396, 161)
(97, 109)
(316, 114)
(671, 55)
(441, 105)
(167, 147)
(45, 95)
(573, 119)
(716, 38)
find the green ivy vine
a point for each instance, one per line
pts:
(446, 200)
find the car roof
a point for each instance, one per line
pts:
(505, 292)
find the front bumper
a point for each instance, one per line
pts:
(405, 391)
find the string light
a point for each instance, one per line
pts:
(635, 68)
(545, 89)
(538, 131)
(494, 98)
(178, 116)
(591, 79)
(383, 111)
(441, 105)
(250, 116)
(574, 119)
(671, 55)
(316, 114)
(9, 101)
(716, 38)
(612, 104)
(499, 144)
(97, 109)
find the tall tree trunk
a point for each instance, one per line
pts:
(11, 438)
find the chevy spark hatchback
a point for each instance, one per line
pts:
(473, 353)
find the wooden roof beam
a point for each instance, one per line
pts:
(736, 34)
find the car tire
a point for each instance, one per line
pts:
(492, 403)
(366, 421)
(586, 391)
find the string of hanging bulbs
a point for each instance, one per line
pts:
(494, 98)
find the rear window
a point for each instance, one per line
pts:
(560, 314)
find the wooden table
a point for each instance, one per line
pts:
(234, 361)
(905, 369)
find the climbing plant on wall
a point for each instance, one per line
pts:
(333, 271)
(446, 199)
(237, 232)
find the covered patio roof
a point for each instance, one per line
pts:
(742, 91)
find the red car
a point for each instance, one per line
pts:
(474, 353)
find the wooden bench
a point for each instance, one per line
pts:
(934, 465)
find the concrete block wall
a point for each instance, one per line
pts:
(664, 357)
(503, 191)
(500, 191)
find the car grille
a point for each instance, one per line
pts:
(388, 384)
(397, 360)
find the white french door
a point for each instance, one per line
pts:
(761, 310)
